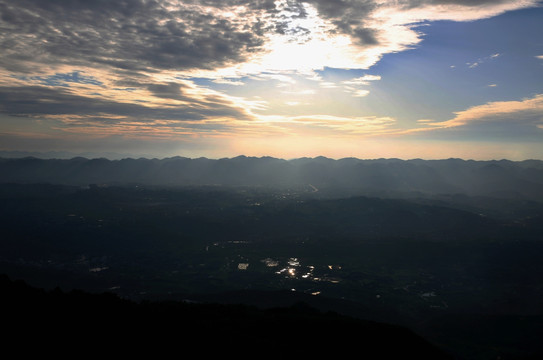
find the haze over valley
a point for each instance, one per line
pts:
(435, 246)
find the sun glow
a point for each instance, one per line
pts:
(300, 44)
(306, 44)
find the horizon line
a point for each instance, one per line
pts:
(119, 157)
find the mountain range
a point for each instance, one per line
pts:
(343, 177)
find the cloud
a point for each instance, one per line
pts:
(351, 86)
(306, 35)
(209, 35)
(526, 110)
(328, 85)
(379, 27)
(282, 79)
(498, 119)
(330, 126)
(128, 35)
(363, 80)
(226, 81)
(360, 93)
(299, 92)
(175, 102)
(482, 60)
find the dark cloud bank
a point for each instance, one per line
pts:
(128, 35)
(36, 101)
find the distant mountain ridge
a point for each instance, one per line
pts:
(348, 176)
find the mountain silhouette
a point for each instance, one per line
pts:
(343, 177)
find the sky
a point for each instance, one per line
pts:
(406, 79)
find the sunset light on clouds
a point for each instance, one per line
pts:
(367, 78)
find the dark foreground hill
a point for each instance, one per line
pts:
(76, 323)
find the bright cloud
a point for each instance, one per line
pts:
(528, 111)
(334, 126)
(363, 80)
(505, 120)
